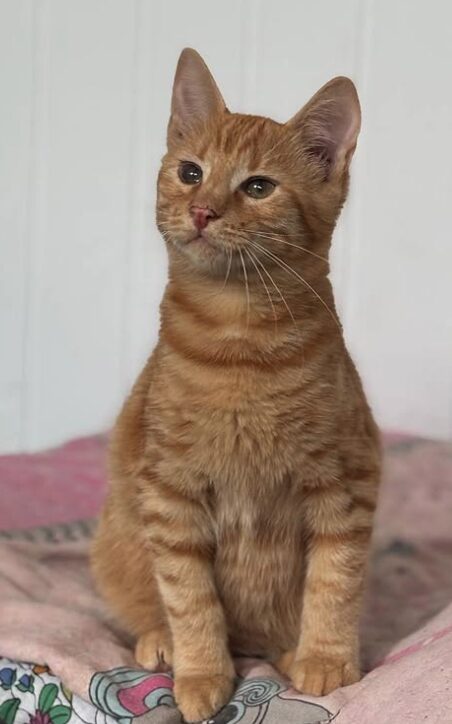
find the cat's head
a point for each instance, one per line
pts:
(233, 187)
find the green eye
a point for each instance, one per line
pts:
(189, 173)
(258, 188)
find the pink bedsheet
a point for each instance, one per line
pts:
(412, 537)
(47, 602)
(55, 486)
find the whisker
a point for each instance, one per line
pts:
(283, 299)
(252, 257)
(283, 265)
(265, 270)
(272, 237)
(247, 291)
(227, 272)
(301, 248)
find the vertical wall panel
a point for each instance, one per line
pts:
(300, 50)
(80, 217)
(16, 89)
(400, 324)
(86, 88)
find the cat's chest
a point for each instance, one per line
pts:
(246, 441)
(239, 426)
(259, 561)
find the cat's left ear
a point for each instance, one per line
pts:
(195, 94)
(327, 127)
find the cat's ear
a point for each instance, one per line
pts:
(195, 94)
(328, 126)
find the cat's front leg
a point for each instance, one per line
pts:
(182, 542)
(327, 655)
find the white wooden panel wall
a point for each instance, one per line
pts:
(85, 88)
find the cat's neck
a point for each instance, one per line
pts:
(255, 308)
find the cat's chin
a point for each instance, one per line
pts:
(202, 243)
(204, 255)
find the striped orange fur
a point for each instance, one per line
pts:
(244, 465)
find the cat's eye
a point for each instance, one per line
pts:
(190, 173)
(258, 188)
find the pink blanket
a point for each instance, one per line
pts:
(82, 669)
(54, 486)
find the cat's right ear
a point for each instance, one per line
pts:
(195, 95)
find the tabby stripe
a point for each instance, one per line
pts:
(174, 446)
(169, 578)
(352, 536)
(185, 306)
(327, 449)
(364, 503)
(169, 493)
(154, 517)
(180, 345)
(334, 645)
(359, 475)
(180, 548)
(337, 589)
(173, 531)
(199, 602)
(313, 489)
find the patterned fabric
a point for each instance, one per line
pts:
(33, 695)
(82, 669)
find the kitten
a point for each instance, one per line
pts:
(245, 462)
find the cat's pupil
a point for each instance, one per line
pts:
(190, 173)
(258, 188)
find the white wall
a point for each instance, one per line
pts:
(84, 93)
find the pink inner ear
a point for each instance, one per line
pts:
(333, 128)
(348, 127)
(329, 124)
(195, 93)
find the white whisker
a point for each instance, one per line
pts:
(247, 291)
(273, 237)
(283, 265)
(281, 295)
(228, 271)
(252, 257)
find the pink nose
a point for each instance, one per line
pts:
(202, 215)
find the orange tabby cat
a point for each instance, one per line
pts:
(245, 462)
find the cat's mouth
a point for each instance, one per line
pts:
(200, 247)
(202, 238)
(205, 248)
(202, 243)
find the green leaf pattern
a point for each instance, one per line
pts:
(47, 697)
(34, 695)
(60, 714)
(8, 710)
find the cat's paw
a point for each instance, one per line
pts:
(154, 650)
(201, 697)
(284, 663)
(319, 675)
